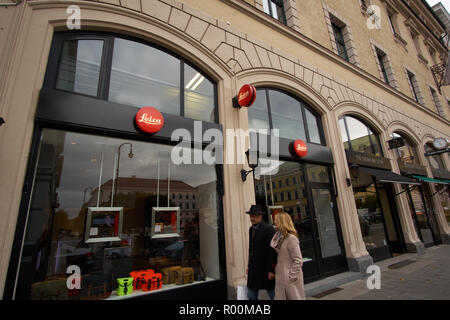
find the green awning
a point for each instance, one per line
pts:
(427, 179)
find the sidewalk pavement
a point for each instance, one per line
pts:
(425, 277)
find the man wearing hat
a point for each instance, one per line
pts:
(262, 257)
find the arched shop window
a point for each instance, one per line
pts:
(109, 199)
(134, 73)
(358, 136)
(408, 152)
(274, 109)
(434, 160)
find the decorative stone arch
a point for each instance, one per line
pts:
(359, 111)
(286, 82)
(143, 27)
(290, 84)
(397, 126)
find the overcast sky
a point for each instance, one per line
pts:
(446, 3)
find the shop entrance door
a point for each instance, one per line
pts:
(326, 236)
(421, 211)
(391, 219)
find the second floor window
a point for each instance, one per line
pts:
(275, 9)
(414, 86)
(340, 43)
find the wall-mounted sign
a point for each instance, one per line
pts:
(300, 148)
(246, 96)
(149, 119)
(368, 160)
(396, 143)
(440, 144)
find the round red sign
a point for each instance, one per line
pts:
(246, 95)
(300, 148)
(149, 119)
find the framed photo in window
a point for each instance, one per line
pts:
(165, 222)
(273, 210)
(103, 224)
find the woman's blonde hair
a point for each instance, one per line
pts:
(284, 224)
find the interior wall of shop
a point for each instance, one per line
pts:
(218, 49)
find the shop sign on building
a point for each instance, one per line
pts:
(149, 119)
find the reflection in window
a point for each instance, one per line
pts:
(275, 9)
(298, 208)
(258, 114)
(80, 66)
(286, 115)
(358, 137)
(369, 212)
(434, 160)
(198, 95)
(406, 153)
(144, 76)
(66, 184)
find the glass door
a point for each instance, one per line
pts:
(331, 258)
(305, 192)
(370, 214)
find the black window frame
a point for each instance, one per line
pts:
(51, 118)
(380, 57)
(340, 42)
(303, 106)
(51, 76)
(369, 133)
(280, 4)
(412, 80)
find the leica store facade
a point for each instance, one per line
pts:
(97, 177)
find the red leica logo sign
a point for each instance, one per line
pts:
(300, 148)
(149, 119)
(246, 95)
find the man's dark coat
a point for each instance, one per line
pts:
(262, 257)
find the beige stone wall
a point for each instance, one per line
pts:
(235, 44)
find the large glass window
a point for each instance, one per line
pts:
(370, 213)
(406, 153)
(434, 160)
(274, 109)
(144, 76)
(113, 206)
(321, 217)
(359, 137)
(135, 74)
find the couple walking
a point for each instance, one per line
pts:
(275, 260)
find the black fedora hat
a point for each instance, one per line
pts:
(255, 209)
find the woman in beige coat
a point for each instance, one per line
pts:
(288, 272)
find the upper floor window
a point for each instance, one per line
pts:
(340, 43)
(274, 109)
(275, 9)
(134, 73)
(358, 136)
(414, 85)
(437, 103)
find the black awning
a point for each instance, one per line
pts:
(387, 176)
